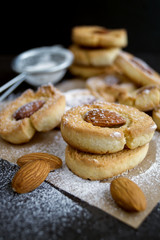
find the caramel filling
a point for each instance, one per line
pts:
(104, 118)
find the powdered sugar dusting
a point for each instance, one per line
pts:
(146, 175)
(97, 193)
(78, 97)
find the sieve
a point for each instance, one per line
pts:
(39, 66)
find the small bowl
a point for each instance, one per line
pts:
(43, 65)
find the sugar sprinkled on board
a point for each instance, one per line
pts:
(97, 193)
(94, 192)
(33, 215)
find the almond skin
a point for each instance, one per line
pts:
(128, 195)
(30, 176)
(54, 161)
(104, 118)
(28, 109)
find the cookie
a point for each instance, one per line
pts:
(32, 111)
(109, 87)
(94, 57)
(97, 36)
(100, 167)
(90, 71)
(136, 69)
(156, 117)
(106, 128)
(145, 98)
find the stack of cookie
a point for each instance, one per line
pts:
(95, 48)
(105, 139)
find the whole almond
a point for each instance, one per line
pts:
(30, 176)
(28, 109)
(54, 161)
(128, 195)
(104, 118)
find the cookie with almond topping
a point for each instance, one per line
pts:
(32, 111)
(98, 36)
(137, 70)
(106, 128)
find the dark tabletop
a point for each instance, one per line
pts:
(50, 213)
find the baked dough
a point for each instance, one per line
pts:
(137, 128)
(145, 98)
(90, 71)
(100, 167)
(109, 87)
(43, 119)
(94, 57)
(97, 36)
(156, 117)
(136, 69)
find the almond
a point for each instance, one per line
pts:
(128, 195)
(28, 109)
(54, 161)
(104, 118)
(30, 176)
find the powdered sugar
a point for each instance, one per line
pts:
(44, 213)
(78, 97)
(146, 175)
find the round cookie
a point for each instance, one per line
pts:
(136, 69)
(90, 71)
(145, 98)
(100, 167)
(31, 112)
(106, 127)
(97, 36)
(94, 57)
(108, 87)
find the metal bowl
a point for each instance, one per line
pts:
(43, 65)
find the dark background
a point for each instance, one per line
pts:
(27, 25)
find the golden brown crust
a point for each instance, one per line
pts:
(97, 36)
(136, 69)
(49, 116)
(108, 87)
(90, 71)
(156, 117)
(44, 119)
(94, 57)
(145, 98)
(100, 167)
(137, 131)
